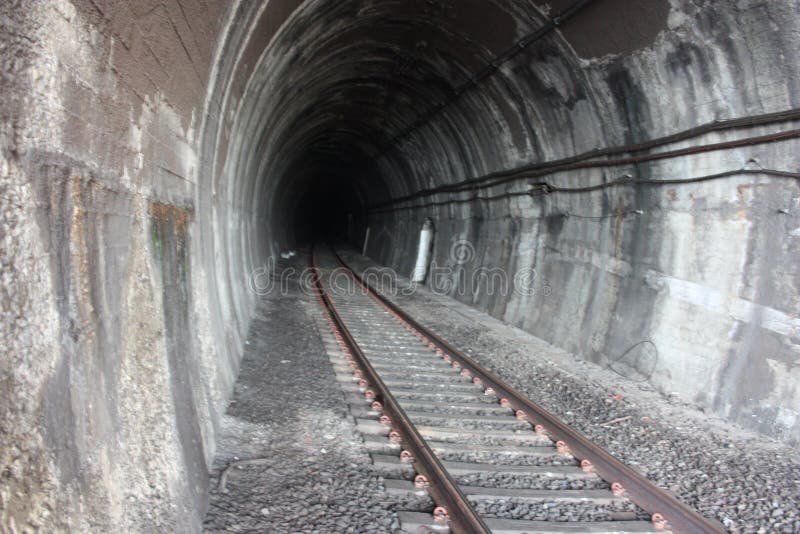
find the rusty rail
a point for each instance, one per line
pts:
(666, 511)
(442, 488)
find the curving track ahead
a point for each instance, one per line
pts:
(490, 459)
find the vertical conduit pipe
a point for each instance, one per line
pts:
(423, 252)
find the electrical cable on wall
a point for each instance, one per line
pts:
(588, 159)
(540, 189)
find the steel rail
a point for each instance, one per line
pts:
(463, 519)
(666, 510)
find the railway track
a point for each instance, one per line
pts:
(437, 423)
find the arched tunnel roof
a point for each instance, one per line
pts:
(346, 83)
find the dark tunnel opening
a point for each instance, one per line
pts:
(328, 209)
(325, 191)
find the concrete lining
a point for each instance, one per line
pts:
(270, 122)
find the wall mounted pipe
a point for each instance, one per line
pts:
(423, 252)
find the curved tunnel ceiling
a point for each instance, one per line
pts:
(343, 80)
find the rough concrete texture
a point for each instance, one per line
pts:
(154, 153)
(111, 380)
(729, 473)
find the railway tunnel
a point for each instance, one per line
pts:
(630, 168)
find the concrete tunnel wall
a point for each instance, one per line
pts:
(154, 154)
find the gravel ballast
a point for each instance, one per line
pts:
(293, 460)
(311, 472)
(748, 482)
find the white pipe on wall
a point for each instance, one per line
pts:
(423, 252)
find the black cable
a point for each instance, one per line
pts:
(588, 160)
(627, 181)
(635, 365)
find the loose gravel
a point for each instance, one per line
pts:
(310, 473)
(500, 458)
(748, 482)
(520, 481)
(288, 413)
(557, 511)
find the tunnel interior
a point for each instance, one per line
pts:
(545, 138)
(397, 98)
(327, 210)
(346, 87)
(635, 164)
